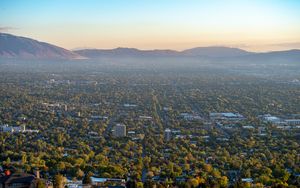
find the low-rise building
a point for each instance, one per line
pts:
(271, 119)
(119, 130)
(17, 129)
(20, 180)
(229, 116)
(190, 117)
(292, 121)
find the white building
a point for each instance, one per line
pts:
(226, 116)
(19, 129)
(190, 117)
(119, 130)
(129, 105)
(145, 117)
(7, 128)
(292, 121)
(168, 134)
(271, 119)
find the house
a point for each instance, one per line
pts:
(247, 180)
(18, 180)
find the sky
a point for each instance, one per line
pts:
(255, 25)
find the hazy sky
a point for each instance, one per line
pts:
(256, 25)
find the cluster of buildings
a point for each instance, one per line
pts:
(97, 182)
(120, 131)
(73, 82)
(170, 134)
(280, 121)
(18, 129)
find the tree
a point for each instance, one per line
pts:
(131, 184)
(87, 178)
(140, 185)
(40, 184)
(61, 166)
(208, 168)
(59, 181)
(193, 182)
(224, 181)
(79, 173)
(24, 159)
(8, 161)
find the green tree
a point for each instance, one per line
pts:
(59, 181)
(40, 184)
(87, 178)
(224, 181)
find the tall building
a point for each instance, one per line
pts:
(22, 128)
(168, 134)
(119, 130)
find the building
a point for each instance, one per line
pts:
(226, 116)
(105, 182)
(19, 129)
(168, 134)
(7, 128)
(279, 121)
(19, 180)
(119, 130)
(129, 105)
(268, 118)
(247, 180)
(145, 117)
(292, 121)
(190, 117)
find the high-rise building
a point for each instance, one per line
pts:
(119, 130)
(167, 134)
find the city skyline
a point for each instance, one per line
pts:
(250, 25)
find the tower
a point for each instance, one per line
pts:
(167, 134)
(119, 130)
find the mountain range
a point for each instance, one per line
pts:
(12, 46)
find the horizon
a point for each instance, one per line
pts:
(140, 49)
(254, 26)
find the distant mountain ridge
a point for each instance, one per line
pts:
(124, 52)
(12, 46)
(133, 52)
(216, 51)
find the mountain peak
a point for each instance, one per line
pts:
(216, 51)
(12, 46)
